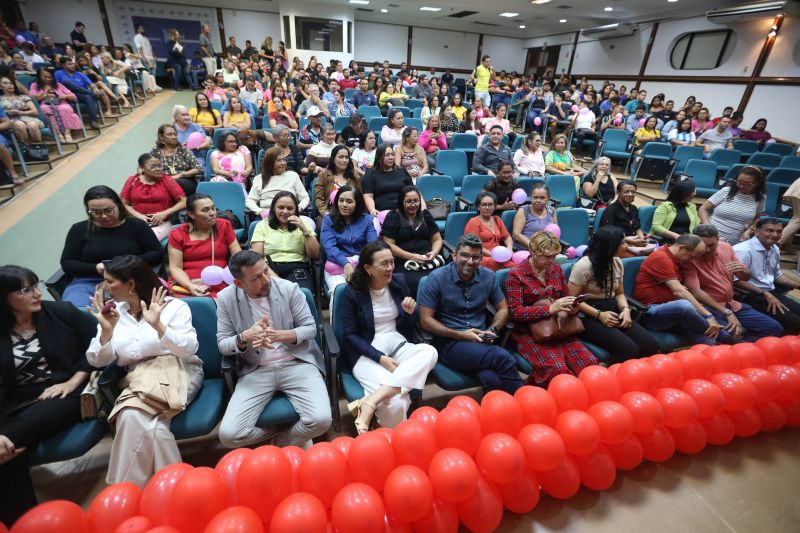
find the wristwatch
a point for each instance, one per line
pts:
(709, 315)
(728, 312)
(240, 340)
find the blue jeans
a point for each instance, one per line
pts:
(180, 72)
(501, 99)
(85, 97)
(680, 317)
(495, 366)
(756, 325)
(197, 75)
(80, 291)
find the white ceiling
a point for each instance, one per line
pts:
(539, 20)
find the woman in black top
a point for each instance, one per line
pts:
(107, 233)
(176, 60)
(598, 183)
(382, 183)
(43, 370)
(624, 215)
(413, 236)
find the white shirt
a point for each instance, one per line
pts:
(764, 265)
(142, 43)
(384, 311)
(584, 121)
(260, 309)
(134, 341)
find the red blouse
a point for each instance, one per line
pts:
(197, 253)
(154, 197)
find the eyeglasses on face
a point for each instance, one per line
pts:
(468, 257)
(31, 289)
(108, 211)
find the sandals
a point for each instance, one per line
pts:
(355, 410)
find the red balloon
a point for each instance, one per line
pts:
(295, 455)
(707, 396)
(600, 384)
(414, 443)
(580, 432)
(228, 469)
(459, 428)
(627, 455)
(658, 446)
(300, 511)
(408, 493)
(425, 414)
(569, 393)
(719, 429)
(500, 458)
(700, 348)
(156, 501)
(386, 433)
(766, 383)
(597, 469)
(614, 421)
(722, 359)
(746, 422)
(466, 402)
(690, 439)
(669, 370)
(343, 444)
(442, 518)
(680, 410)
(521, 495)
(453, 474)
(695, 365)
(794, 342)
(636, 375)
(358, 508)
(323, 471)
(538, 407)
(164, 529)
(393, 525)
(739, 392)
(500, 413)
(57, 515)
(792, 410)
(198, 497)
(238, 519)
(647, 412)
(788, 382)
(614, 368)
(543, 446)
(265, 478)
(113, 506)
(134, 524)
(483, 511)
(563, 482)
(371, 460)
(749, 355)
(776, 350)
(772, 415)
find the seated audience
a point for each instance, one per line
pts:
(605, 314)
(345, 230)
(490, 230)
(272, 337)
(54, 100)
(452, 308)
(758, 132)
(558, 114)
(205, 115)
(274, 177)
(533, 218)
(80, 85)
(433, 139)
(710, 278)
(339, 172)
(716, 138)
(392, 132)
(559, 160)
(647, 132)
(177, 161)
(204, 240)
(458, 107)
(537, 290)
(489, 155)
(499, 119)
(675, 123)
(379, 317)
(584, 128)
(22, 112)
(677, 214)
(355, 131)
(185, 127)
(529, 158)
(792, 197)
(45, 370)
(281, 115)
(363, 156)
(320, 153)
(682, 135)
(382, 183)
(363, 96)
(236, 116)
(471, 123)
(734, 210)
(502, 186)
(410, 155)
(340, 107)
(151, 336)
(768, 285)
(152, 196)
(290, 152)
(670, 305)
(431, 108)
(599, 185)
(701, 123)
(623, 214)
(231, 161)
(107, 233)
(449, 122)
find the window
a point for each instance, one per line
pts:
(324, 35)
(702, 50)
(287, 32)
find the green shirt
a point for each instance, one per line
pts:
(281, 245)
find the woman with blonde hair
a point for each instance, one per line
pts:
(176, 60)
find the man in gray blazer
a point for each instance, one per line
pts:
(266, 323)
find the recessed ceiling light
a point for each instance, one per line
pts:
(608, 9)
(430, 8)
(384, 10)
(360, 2)
(540, 1)
(522, 26)
(671, 1)
(508, 14)
(562, 21)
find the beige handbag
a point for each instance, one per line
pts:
(91, 397)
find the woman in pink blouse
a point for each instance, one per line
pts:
(54, 100)
(433, 139)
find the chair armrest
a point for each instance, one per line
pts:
(426, 336)
(56, 283)
(450, 247)
(461, 201)
(227, 368)
(108, 382)
(637, 308)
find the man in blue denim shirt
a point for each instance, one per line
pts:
(453, 309)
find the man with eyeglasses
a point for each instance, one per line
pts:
(453, 308)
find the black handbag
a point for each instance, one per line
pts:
(439, 208)
(35, 152)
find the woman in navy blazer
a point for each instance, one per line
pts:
(378, 313)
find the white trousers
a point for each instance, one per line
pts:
(414, 362)
(144, 443)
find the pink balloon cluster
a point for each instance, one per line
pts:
(469, 462)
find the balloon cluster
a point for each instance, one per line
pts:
(214, 275)
(468, 462)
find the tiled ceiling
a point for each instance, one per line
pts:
(538, 19)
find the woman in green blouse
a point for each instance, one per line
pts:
(677, 214)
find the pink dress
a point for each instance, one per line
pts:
(232, 162)
(69, 119)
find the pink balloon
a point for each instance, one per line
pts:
(641, 122)
(554, 229)
(333, 269)
(501, 254)
(195, 139)
(571, 252)
(212, 275)
(617, 121)
(227, 277)
(580, 250)
(382, 215)
(520, 257)
(377, 224)
(574, 108)
(519, 196)
(333, 196)
(537, 121)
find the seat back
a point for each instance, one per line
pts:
(341, 123)
(414, 103)
(441, 186)
(616, 140)
(747, 148)
(453, 163)
(219, 133)
(508, 218)
(226, 195)
(501, 276)
(562, 188)
(337, 308)
(646, 217)
(684, 154)
(657, 150)
(349, 93)
(376, 123)
(783, 175)
(518, 143)
(209, 171)
(526, 184)
(574, 224)
(774, 204)
(369, 111)
(463, 141)
(724, 158)
(411, 122)
(504, 141)
(303, 122)
(404, 110)
(204, 321)
(781, 149)
(766, 161)
(567, 268)
(456, 222)
(312, 306)
(250, 230)
(732, 171)
(630, 267)
(472, 185)
(598, 216)
(703, 173)
(790, 161)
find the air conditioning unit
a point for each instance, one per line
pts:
(610, 31)
(726, 15)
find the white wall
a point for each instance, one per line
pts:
(611, 56)
(715, 96)
(57, 18)
(507, 53)
(787, 43)
(376, 42)
(767, 101)
(252, 25)
(444, 48)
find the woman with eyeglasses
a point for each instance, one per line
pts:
(529, 158)
(231, 161)
(379, 317)
(177, 161)
(203, 241)
(152, 196)
(735, 210)
(490, 229)
(43, 370)
(108, 232)
(274, 178)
